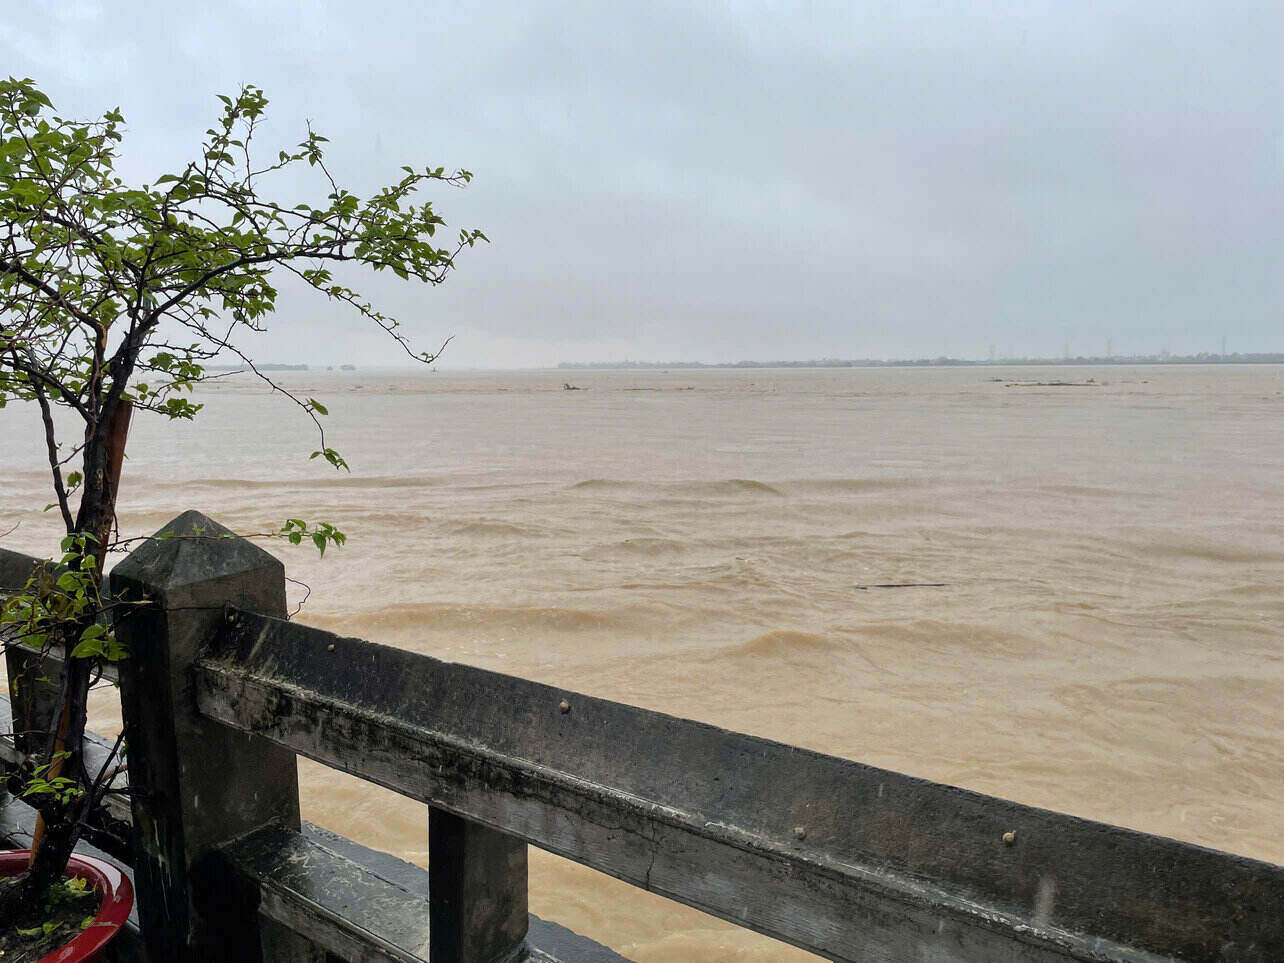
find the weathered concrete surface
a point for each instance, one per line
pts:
(477, 892)
(547, 942)
(35, 694)
(886, 866)
(351, 899)
(15, 569)
(363, 906)
(308, 888)
(33, 682)
(196, 784)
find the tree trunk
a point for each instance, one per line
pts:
(59, 825)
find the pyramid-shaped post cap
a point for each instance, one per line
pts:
(193, 549)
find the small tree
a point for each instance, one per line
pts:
(113, 299)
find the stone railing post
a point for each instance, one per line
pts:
(477, 881)
(33, 679)
(195, 783)
(33, 696)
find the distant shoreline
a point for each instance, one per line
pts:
(1116, 360)
(282, 367)
(941, 362)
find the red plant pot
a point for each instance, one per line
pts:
(110, 883)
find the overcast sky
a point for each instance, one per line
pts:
(748, 181)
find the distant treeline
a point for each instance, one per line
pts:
(1201, 358)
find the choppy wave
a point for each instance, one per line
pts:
(1205, 551)
(855, 485)
(786, 643)
(729, 486)
(602, 484)
(493, 527)
(651, 547)
(732, 486)
(936, 635)
(1084, 491)
(749, 486)
(336, 481)
(445, 616)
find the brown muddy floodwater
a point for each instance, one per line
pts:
(1105, 640)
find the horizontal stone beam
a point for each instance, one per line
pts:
(339, 905)
(361, 905)
(15, 569)
(97, 755)
(846, 860)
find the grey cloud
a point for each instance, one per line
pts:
(751, 181)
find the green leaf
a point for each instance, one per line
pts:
(319, 408)
(87, 649)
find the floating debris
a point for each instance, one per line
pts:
(1090, 383)
(903, 585)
